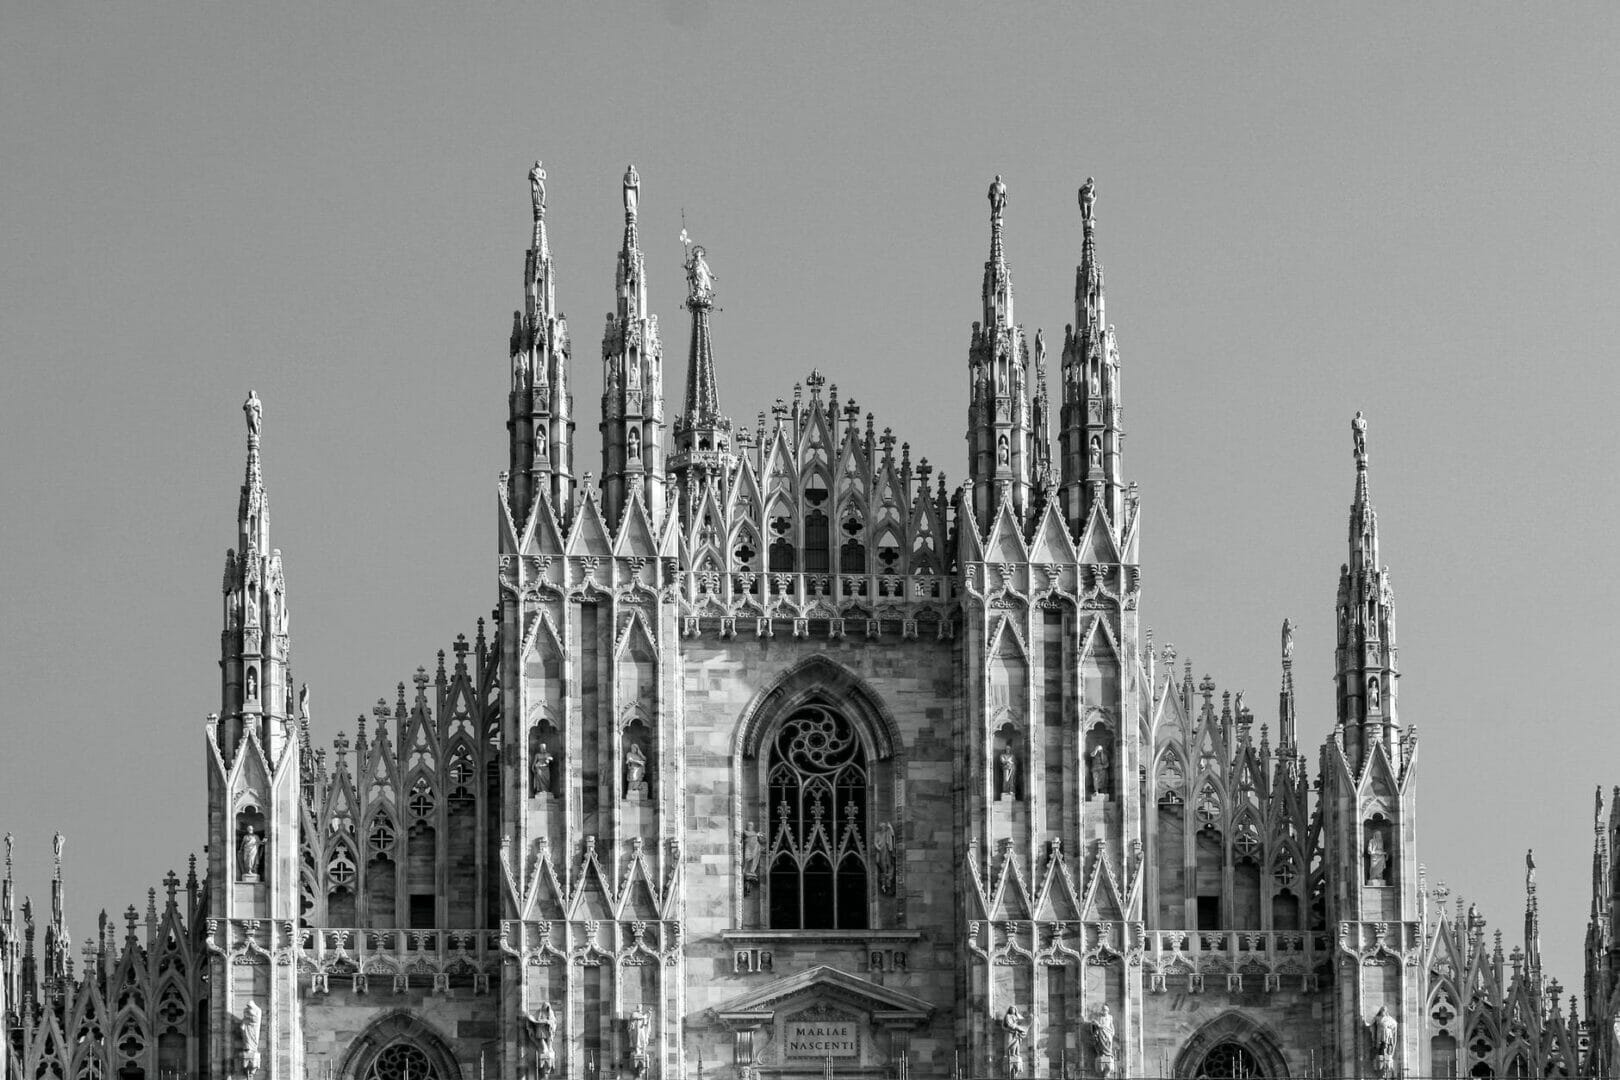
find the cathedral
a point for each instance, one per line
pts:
(778, 757)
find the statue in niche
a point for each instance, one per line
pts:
(640, 1025)
(1377, 857)
(635, 769)
(883, 855)
(249, 854)
(1381, 1035)
(753, 849)
(1014, 1028)
(252, 688)
(253, 408)
(1088, 199)
(1003, 454)
(1102, 1040)
(1096, 452)
(250, 1038)
(541, 1025)
(633, 445)
(540, 771)
(1100, 762)
(1374, 695)
(1009, 771)
(252, 608)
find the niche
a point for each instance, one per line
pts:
(1377, 850)
(1099, 762)
(638, 769)
(1008, 765)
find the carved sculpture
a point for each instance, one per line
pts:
(541, 1024)
(633, 445)
(640, 1025)
(1374, 696)
(1287, 640)
(303, 699)
(753, 848)
(1014, 1027)
(998, 196)
(1102, 1041)
(249, 854)
(252, 674)
(1003, 454)
(253, 408)
(540, 771)
(635, 768)
(1088, 199)
(1358, 432)
(1377, 858)
(699, 278)
(1381, 1035)
(537, 189)
(1009, 771)
(883, 855)
(1100, 762)
(250, 1038)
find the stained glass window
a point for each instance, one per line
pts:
(401, 1061)
(817, 781)
(1228, 1061)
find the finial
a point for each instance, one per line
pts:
(537, 190)
(56, 846)
(10, 841)
(699, 278)
(1287, 642)
(998, 199)
(1358, 432)
(253, 408)
(1088, 201)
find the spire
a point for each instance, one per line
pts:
(254, 643)
(1367, 655)
(632, 380)
(703, 435)
(540, 422)
(1532, 921)
(1600, 861)
(1003, 455)
(1091, 430)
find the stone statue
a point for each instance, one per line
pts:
(632, 191)
(1003, 454)
(252, 684)
(56, 847)
(1377, 858)
(1096, 452)
(1381, 1034)
(537, 189)
(1009, 770)
(540, 771)
(753, 849)
(254, 408)
(1358, 430)
(640, 1024)
(303, 699)
(699, 278)
(250, 1038)
(1014, 1027)
(1373, 693)
(883, 855)
(249, 854)
(635, 767)
(1287, 640)
(1102, 1039)
(1100, 761)
(542, 1024)
(1088, 198)
(998, 196)
(633, 445)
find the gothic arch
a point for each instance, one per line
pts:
(1236, 1028)
(818, 676)
(396, 1027)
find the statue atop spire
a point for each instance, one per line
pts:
(998, 199)
(699, 278)
(1088, 201)
(1358, 432)
(1287, 641)
(537, 189)
(632, 193)
(253, 409)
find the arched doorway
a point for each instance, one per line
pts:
(399, 1046)
(1231, 1047)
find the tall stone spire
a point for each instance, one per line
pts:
(632, 380)
(1091, 432)
(1532, 922)
(1367, 656)
(540, 407)
(1001, 450)
(1285, 704)
(253, 645)
(703, 449)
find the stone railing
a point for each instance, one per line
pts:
(362, 956)
(1197, 960)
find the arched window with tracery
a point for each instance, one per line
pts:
(1228, 1061)
(402, 1061)
(818, 787)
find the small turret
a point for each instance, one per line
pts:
(1002, 457)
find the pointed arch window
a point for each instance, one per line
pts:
(1229, 1061)
(819, 801)
(402, 1061)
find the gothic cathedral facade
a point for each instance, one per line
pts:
(779, 758)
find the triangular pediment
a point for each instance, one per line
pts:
(827, 984)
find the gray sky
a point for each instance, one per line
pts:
(1302, 211)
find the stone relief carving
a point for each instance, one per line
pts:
(640, 1029)
(1381, 1036)
(1014, 1028)
(541, 1025)
(1102, 1041)
(250, 1038)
